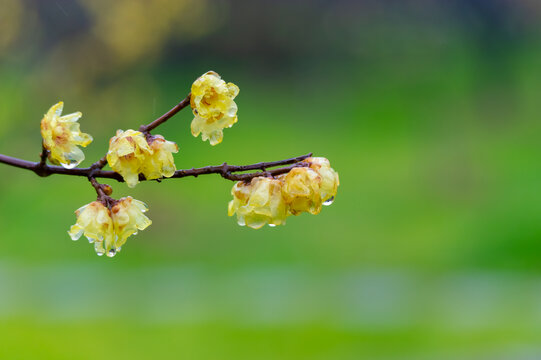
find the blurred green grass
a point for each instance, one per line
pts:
(113, 340)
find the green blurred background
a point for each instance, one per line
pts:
(429, 110)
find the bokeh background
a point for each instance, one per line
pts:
(429, 110)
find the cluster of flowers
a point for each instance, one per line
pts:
(107, 223)
(109, 227)
(266, 200)
(132, 153)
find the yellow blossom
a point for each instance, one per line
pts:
(130, 155)
(301, 190)
(214, 108)
(128, 219)
(61, 135)
(109, 229)
(160, 163)
(127, 153)
(258, 203)
(93, 221)
(329, 178)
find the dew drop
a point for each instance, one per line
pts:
(69, 166)
(272, 225)
(329, 201)
(111, 253)
(99, 248)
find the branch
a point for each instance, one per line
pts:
(100, 164)
(44, 154)
(42, 169)
(274, 172)
(181, 105)
(225, 170)
(98, 187)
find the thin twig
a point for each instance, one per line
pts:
(42, 160)
(225, 170)
(100, 164)
(181, 105)
(97, 186)
(44, 154)
(274, 172)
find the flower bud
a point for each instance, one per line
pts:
(107, 189)
(61, 135)
(108, 228)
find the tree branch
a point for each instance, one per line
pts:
(44, 154)
(181, 105)
(100, 164)
(225, 170)
(42, 169)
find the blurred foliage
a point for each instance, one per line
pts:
(428, 110)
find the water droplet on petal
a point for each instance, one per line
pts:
(100, 253)
(272, 225)
(329, 201)
(111, 253)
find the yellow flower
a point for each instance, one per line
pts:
(301, 190)
(258, 203)
(93, 221)
(109, 229)
(61, 135)
(241, 194)
(128, 219)
(160, 163)
(127, 153)
(213, 106)
(329, 178)
(130, 155)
